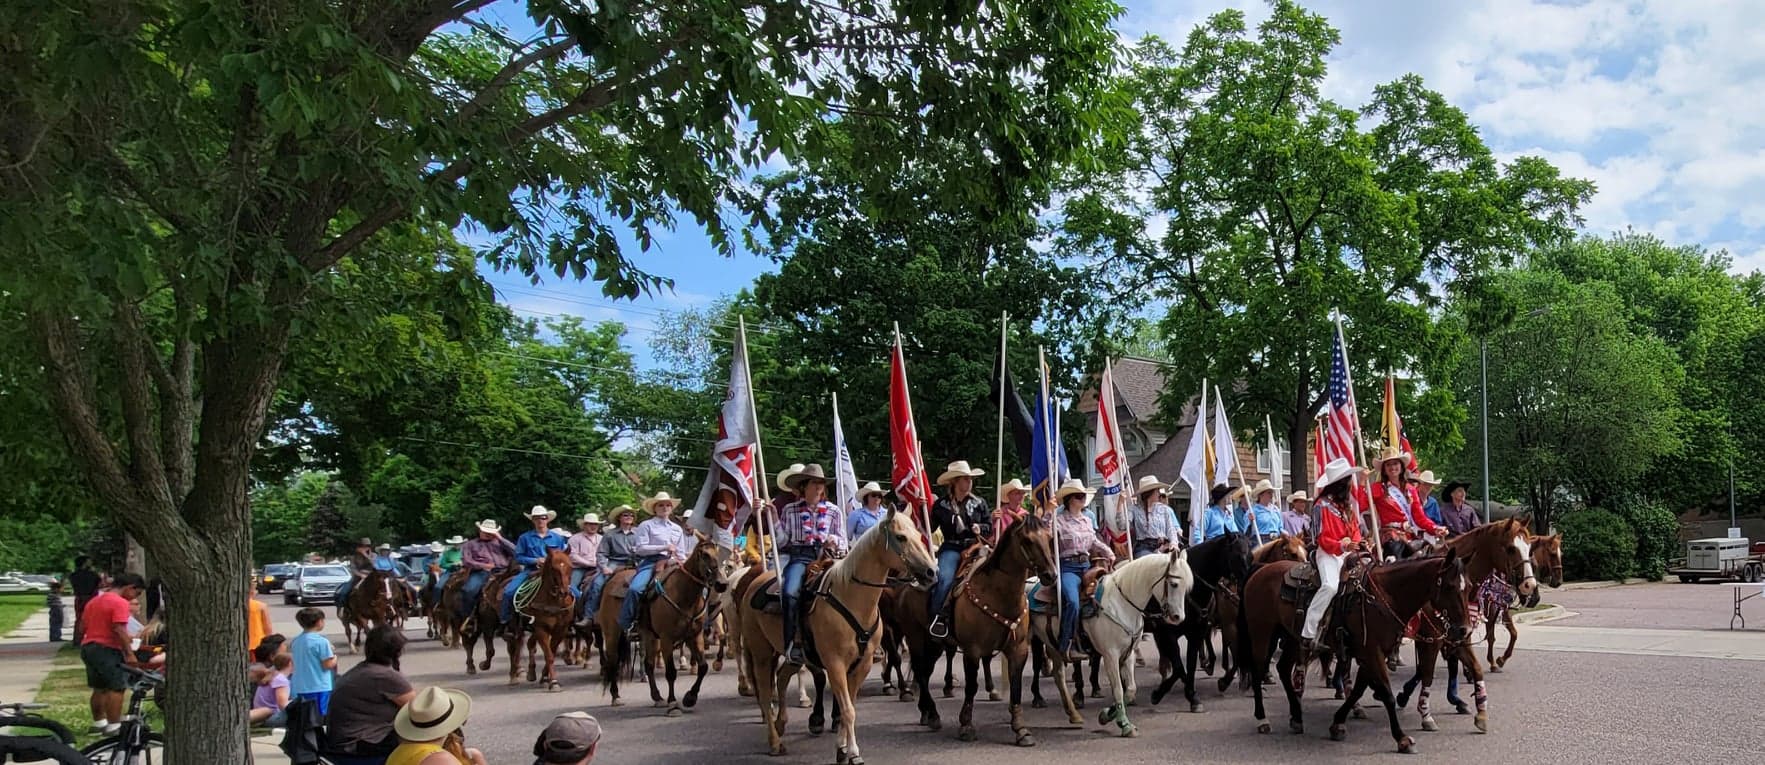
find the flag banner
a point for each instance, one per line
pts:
(1392, 425)
(911, 483)
(1110, 462)
(1342, 421)
(732, 457)
(1046, 451)
(845, 477)
(1017, 413)
(1195, 469)
(1225, 449)
(1277, 476)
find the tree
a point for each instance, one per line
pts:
(1256, 208)
(282, 518)
(178, 179)
(1581, 404)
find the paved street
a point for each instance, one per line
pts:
(1600, 693)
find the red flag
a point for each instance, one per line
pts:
(909, 465)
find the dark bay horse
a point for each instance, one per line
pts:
(543, 620)
(484, 619)
(1283, 547)
(677, 616)
(1221, 565)
(1367, 625)
(379, 599)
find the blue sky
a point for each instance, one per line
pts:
(1656, 101)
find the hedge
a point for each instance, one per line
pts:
(1657, 537)
(1597, 544)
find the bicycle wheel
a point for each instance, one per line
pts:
(35, 723)
(39, 749)
(115, 751)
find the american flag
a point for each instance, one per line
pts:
(1341, 423)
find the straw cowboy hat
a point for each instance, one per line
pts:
(539, 510)
(622, 510)
(868, 489)
(454, 540)
(1427, 477)
(436, 547)
(1071, 487)
(649, 505)
(1260, 487)
(489, 526)
(1220, 494)
(810, 472)
(1150, 483)
(383, 546)
(364, 542)
(591, 519)
(958, 469)
(785, 475)
(1011, 486)
(1298, 496)
(1390, 453)
(433, 714)
(1338, 470)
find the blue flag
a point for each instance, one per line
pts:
(1044, 436)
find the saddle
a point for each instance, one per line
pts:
(619, 584)
(770, 599)
(1045, 600)
(1301, 583)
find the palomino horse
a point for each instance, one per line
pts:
(485, 619)
(1283, 547)
(1220, 566)
(676, 616)
(379, 599)
(1155, 584)
(839, 627)
(543, 619)
(1372, 623)
(729, 605)
(988, 611)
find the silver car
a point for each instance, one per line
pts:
(314, 584)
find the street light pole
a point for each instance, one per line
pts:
(1483, 354)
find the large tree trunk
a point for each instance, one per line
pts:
(205, 720)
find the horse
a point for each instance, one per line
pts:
(429, 597)
(840, 621)
(1220, 566)
(1547, 556)
(548, 611)
(1154, 584)
(1045, 628)
(485, 619)
(988, 609)
(378, 600)
(1283, 547)
(443, 619)
(1369, 616)
(688, 592)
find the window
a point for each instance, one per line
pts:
(1263, 465)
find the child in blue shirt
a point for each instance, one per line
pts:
(315, 663)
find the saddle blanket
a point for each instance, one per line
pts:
(1042, 600)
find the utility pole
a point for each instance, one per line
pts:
(1483, 354)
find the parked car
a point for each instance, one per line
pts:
(274, 576)
(12, 585)
(413, 563)
(314, 584)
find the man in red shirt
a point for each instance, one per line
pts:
(105, 649)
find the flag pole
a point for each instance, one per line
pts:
(1249, 501)
(759, 452)
(1048, 443)
(1360, 444)
(925, 513)
(999, 478)
(839, 485)
(1122, 504)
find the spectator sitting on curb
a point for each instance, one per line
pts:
(269, 703)
(571, 739)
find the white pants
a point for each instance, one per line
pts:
(1329, 571)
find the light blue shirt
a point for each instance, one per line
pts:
(1217, 521)
(309, 651)
(384, 563)
(1268, 520)
(861, 520)
(1431, 508)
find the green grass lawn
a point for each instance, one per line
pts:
(65, 691)
(14, 609)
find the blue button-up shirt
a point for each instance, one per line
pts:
(384, 563)
(1431, 508)
(861, 520)
(1268, 521)
(1217, 521)
(533, 546)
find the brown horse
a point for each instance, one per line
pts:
(543, 620)
(676, 617)
(1371, 622)
(442, 613)
(1283, 547)
(841, 622)
(616, 647)
(1547, 558)
(485, 619)
(379, 599)
(989, 615)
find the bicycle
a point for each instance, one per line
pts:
(53, 744)
(136, 743)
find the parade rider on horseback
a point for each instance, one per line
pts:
(484, 555)
(585, 545)
(805, 528)
(362, 562)
(530, 551)
(1154, 523)
(964, 520)
(1339, 534)
(1077, 541)
(449, 561)
(1217, 519)
(657, 538)
(1398, 504)
(618, 551)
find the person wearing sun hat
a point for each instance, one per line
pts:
(1339, 533)
(484, 554)
(1457, 514)
(1296, 519)
(867, 514)
(657, 538)
(428, 730)
(1153, 521)
(805, 529)
(617, 551)
(530, 551)
(1425, 484)
(1265, 516)
(1395, 500)
(1011, 507)
(1077, 540)
(584, 545)
(964, 519)
(1217, 519)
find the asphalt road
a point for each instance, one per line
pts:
(1549, 707)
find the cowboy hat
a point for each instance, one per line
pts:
(869, 489)
(436, 547)
(1336, 471)
(1427, 477)
(958, 469)
(433, 714)
(784, 476)
(384, 546)
(623, 510)
(591, 518)
(1260, 487)
(489, 526)
(1071, 487)
(1447, 490)
(539, 510)
(1390, 453)
(649, 505)
(812, 472)
(1150, 483)
(454, 540)
(1011, 486)
(1220, 494)
(1298, 496)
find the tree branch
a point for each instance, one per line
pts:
(145, 466)
(127, 175)
(508, 74)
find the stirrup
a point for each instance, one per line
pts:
(937, 628)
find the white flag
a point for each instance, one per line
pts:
(1225, 451)
(732, 458)
(1110, 460)
(845, 478)
(1194, 471)
(1277, 475)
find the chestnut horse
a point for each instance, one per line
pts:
(544, 619)
(840, 625)
(1547, 558)
(676, 616)
(1283, 547)
(378, 600)
(1372, 624)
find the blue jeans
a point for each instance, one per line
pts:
(948, 560)
(342, 597)
(515, 584)
(471, 591)
(646, 570)
(796, 563)
(576, 577)
(1070, 572)
(593, 598)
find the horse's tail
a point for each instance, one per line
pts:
(619, 658)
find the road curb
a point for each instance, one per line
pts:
(1546, 614)
(1601, 584)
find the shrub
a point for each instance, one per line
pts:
(1597, 544)
(1657, 537)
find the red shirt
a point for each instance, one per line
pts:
(1334, 524)
(106, 610)
(1392, 508)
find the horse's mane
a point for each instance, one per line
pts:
(1270, 546)
(1505, 528)
(846, 570)
(1019, 527)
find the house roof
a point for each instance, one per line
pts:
(1138, 383)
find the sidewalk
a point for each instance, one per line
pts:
(1743, 645)
(26, 656)
(1600, 585)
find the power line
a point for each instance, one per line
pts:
(763, 327)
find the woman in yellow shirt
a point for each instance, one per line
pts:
(428, 729)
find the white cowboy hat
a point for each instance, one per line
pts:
(809, 473)
(1390, 453)
(436, 547)
(649, 505)
(621, 510)
(454, 540)
(784, 476)
(1427, 477)
(591, 518)
(1298, 496)
(539, 510)
(1260, 487)
(1150, 483)
(433, 714)
(1338, 470)
(869, 489)
(383, 546)
(1071, 487)
(1011, 486)
(489, 526)
(958, 469)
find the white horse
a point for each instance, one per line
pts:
(1124, 598)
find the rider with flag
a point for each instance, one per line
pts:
(1339, 533)
(530, 551)
(1154, 523)
(1079, 543)
(1218, 519)
(1265, 515)
(964, 520)
(805, 528)
(1397, 502)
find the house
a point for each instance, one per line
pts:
(1151, 448)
